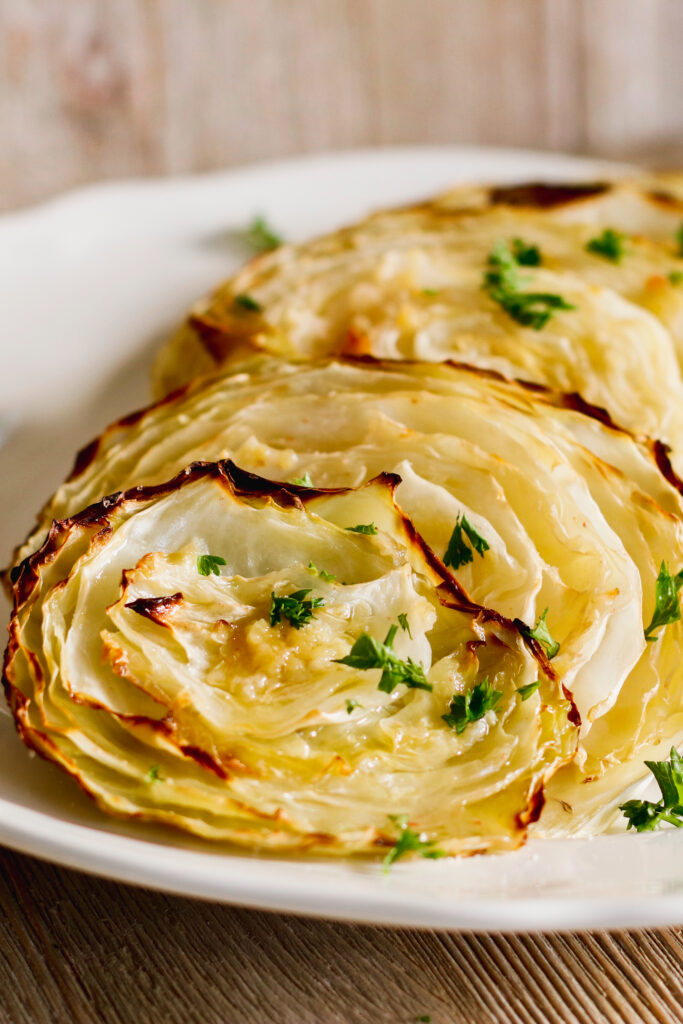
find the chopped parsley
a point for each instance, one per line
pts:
(646, 815)
(430, 291)
(296, 607)
(676, 278)
(329, 577)
(368, 653)
(526, 691)
(502, 283)
(207, 564)
(457, 552)
(404, 624)
(541, 633)
(410, 842)
(609, 245)
(667, 601)
(154, 774)
(368, 528)
(526, 255)
(303, 481)
(247, 302)
(261, 236)
(424, 1018)
(471, 706)
(679, 240)
(351, 704)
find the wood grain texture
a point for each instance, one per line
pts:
(77, 950)
(92, 89)
(95, 88)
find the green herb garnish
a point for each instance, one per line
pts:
(368, 528)
(471, 706)
(526, 255)
(667, 601)
(261, 236)
(679, 240)
(296, 607)
(207, 564)
(541, 633)
(368, 653)
(457, 552)
(404, 624)
(676, 278)
(351, 704)
(154, 774)
(409, 842)
(502, 282)
(526, 691)
(303, 481)
(248, 303)
(609, 245)
(645, 815)
(430, 291)
(327, 576)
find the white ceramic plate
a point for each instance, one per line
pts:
(89, 284)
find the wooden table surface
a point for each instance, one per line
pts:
(108, 88)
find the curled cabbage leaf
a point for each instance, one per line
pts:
(184, 651)
(578, 516)
(407, 284)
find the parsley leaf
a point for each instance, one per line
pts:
(248, 303)
(501, 269)
(153, 775)
(471, 706)
(329, 577)
(404, 624)
(409, 841)
(261, 237)
(424, 1018)
(295, 607)
(679, 240)
(676, 278)
(541, 633)
(368, 653)
(526, 691)
(351, 704)
(532, 309)
(430, 291)
(303, 481)
(502, 282)
(667, 601)
(368, 528)
(609, 245)
(457, 552)
(526, 255)
(645, 815)
(207, 564)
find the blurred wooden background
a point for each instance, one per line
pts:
(99, 88)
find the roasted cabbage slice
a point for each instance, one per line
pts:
(410, 284)
(577, 514)
(229, 657)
